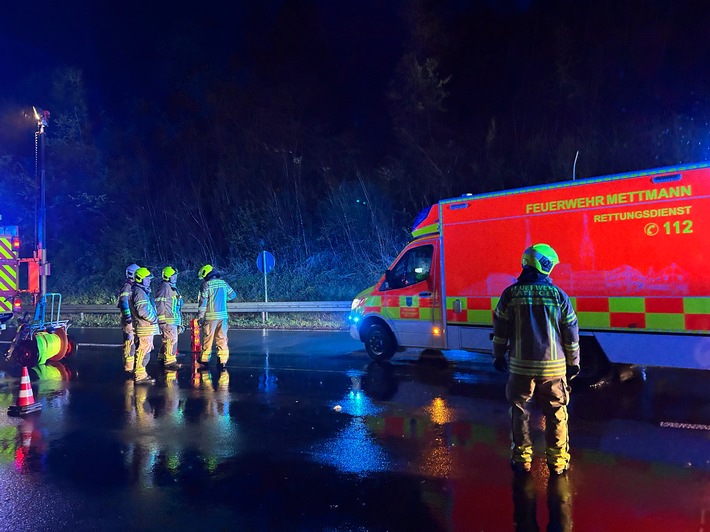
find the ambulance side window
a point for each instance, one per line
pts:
(414, 267)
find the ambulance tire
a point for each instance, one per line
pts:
(379, 343)
(595, 368)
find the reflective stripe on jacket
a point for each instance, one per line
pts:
(124, 297)
(145, 317)
(537, 320)
(212, 303)
(168, 304)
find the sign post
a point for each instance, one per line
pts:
(42, 118)
(265, 263)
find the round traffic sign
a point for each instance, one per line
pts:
(265, 262)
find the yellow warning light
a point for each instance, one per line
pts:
(436, 331)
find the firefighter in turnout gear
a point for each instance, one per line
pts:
(535, 323)
(124, 296)
(212, 313)
(145, 320)
(168, 303)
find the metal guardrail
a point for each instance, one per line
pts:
(242, 307)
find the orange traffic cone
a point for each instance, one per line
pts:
(25, 399)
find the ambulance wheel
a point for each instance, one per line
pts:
(379, 343)
(595, 367)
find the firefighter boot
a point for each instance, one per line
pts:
(223, 357)
(166, 353)
(170, 362)
(204, 359)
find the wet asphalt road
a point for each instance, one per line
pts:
(302, 432)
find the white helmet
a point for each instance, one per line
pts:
(131, 271)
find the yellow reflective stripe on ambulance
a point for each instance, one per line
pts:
(652, 314)
(401, 307)
(478, 310)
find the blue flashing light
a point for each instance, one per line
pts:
(421, 217)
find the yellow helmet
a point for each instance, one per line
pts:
(541, 257)
(168, 272)
(142, 273)
(204, 271)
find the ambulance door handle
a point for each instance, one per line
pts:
(424, 294)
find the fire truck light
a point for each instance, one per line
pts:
(436, 331)
(17, 304)
(15, 243)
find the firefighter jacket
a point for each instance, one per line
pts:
(145, 317)
(535, 319)
(212, 303)
(168, 303)
(124, 297)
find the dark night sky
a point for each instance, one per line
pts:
(500, 53)
(117, 44)
(124, 47)
(237, 86)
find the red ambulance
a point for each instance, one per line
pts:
(634, 258)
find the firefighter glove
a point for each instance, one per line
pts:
(572, 371)
(500, 364)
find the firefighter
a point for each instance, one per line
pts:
(124, 296)
(168, 303)
(212, 314)
(145, 319)
(535, 323)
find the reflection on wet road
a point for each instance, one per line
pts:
(302, 432)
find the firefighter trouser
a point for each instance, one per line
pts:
(145, 346)
(129, 346)
(168, 352)
(215, 332)
(552, 394)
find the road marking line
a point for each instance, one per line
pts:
(693, 426)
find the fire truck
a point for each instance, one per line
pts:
(10, 303)
(40, 337)
(634, 253)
